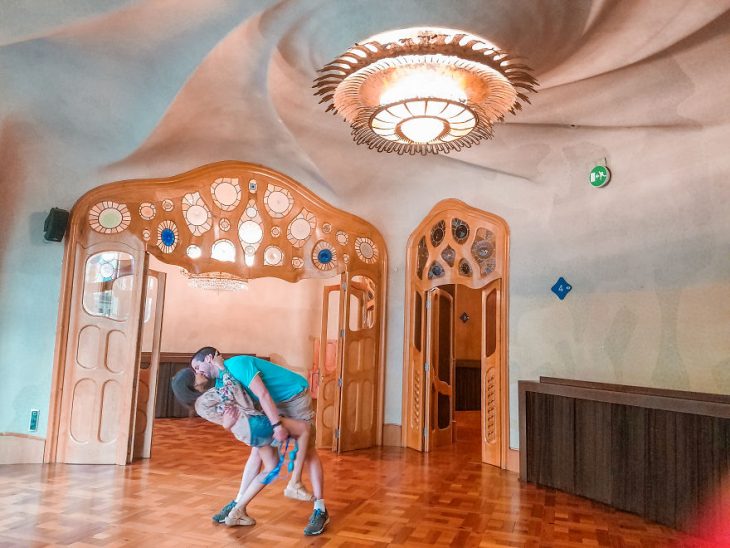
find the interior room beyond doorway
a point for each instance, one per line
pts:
(467, 329)
(269, 317)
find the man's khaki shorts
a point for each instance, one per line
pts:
(300, 407)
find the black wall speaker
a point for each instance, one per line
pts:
(55, 226)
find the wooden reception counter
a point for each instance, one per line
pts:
(662, 454)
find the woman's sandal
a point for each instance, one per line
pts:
(298, 492)
(238, 517)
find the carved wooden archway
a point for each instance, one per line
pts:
(462, 245)
(235, 218)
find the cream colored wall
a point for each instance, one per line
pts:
(271, 318)
(671, 337)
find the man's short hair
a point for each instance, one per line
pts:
(203, 353)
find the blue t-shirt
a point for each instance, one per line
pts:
(281, 383)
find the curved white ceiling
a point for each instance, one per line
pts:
(119, 86)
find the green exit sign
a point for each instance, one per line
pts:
(600, 175)
(34, 414)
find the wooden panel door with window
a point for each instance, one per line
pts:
(141, 446)
(103, 340)
(328, 392)
(359, 388)
(415, 388)
(440, 369)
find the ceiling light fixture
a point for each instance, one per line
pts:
(217, 281)
(423, 90)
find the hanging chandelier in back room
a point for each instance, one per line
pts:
(423, 90)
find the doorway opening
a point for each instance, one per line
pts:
(456, 332)
(269, 318)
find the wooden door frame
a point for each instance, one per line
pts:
(447, 209)
(325, 219)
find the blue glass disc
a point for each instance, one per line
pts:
(324, 256)
(167, 236)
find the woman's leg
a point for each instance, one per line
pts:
(250, 471)
(300, 430)
(238, 515)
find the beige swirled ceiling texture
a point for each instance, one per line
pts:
(93, 91)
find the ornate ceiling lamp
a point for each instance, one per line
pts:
(217, 281)
(423, 90)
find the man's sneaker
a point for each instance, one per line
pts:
(298, 492)
(220, 517)
(317, 522)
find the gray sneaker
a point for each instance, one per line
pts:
(220, 517)
(317, 522)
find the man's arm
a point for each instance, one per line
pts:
(259, 389)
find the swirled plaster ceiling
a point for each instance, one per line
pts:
(126, 87)
(93, 91)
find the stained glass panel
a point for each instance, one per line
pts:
(366, 250)
(459, 230)
(109, 217)
(449, 255)
(167, 236)
(324, 255)
(223, 250)
(196, 213)
(435, 270)
(147, 211)
(301, 227)
(226, 193)
(438, 232)
(250, 231)
(278, 201)
(483, 251)
(422, 257)
(464, 268)
(273, 256)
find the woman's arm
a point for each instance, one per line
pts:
(230, 416)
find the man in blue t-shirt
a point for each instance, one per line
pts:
(279, 392)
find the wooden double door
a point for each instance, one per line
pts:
(347, 396)
(439, 370)
(106, 408)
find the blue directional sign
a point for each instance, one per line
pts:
(561, 288)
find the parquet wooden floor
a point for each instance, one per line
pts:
(376, 497)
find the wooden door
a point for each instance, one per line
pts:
(328, 390)
(102, 354)
(439, 369)
(492, 381)
(418, 386)
(357, 420)
(141, 446)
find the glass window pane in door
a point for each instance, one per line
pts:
(108, 285)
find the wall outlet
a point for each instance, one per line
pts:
(34, 414)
